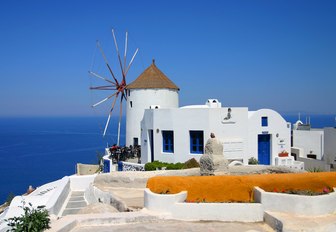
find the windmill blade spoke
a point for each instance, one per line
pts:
(100, 77)
(109, 117)
(116, 45)
(125, 53)
(105, 99)
(106, 125)
(130, 63)
(107, 87)
(106, 62)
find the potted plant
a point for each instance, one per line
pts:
(283, 154)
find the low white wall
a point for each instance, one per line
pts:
(311, 164)
(52, 195)
(173, 204)
(296, 204)
(289, 162)
(58, 197)
(93, 195)
(80, 183)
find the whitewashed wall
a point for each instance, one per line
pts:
(142, 99)
(309, 140)
(329, 144)
(232, 132)
(277, 127)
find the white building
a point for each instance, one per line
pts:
(152, 89)
(269, 135)
(178, 134)
(315, 143)
(172, 134)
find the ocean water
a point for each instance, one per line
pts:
(316, 121)
(34, 151)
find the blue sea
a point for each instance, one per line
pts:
(34, 151)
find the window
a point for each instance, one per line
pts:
(168, 141)
(264, 121)
(135, 141)
(196, 142)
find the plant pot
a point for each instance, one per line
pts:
(283, 154)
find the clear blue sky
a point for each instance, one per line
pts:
(260, 54)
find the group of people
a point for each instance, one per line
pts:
(124, 153)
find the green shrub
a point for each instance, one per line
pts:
(192, 163)
(174, 166)
(150, 167)
(315, 169)
(159, 165)
(32, 219)
(252, 161)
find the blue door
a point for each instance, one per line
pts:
(264, 149)
(106, 168)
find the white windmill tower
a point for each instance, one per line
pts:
(118, 87)
(152, 89)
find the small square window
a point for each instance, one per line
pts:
(264, 121)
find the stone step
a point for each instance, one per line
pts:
(77, 198)
(75, 203)
(77, 193)
(70, 211)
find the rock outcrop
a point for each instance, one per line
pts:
(214, 149)
(206, 165)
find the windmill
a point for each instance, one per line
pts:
(117, 87)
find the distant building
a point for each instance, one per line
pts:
(172, 134)
(314, 143)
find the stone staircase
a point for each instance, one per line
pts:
(76, 203)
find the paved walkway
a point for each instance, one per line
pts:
(171, 225)
(292, 223)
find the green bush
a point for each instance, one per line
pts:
(174, 166)
(32, 220)
(159, 165)
(192, 163)
(315, 169)
(150, 167)
(253, 160)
